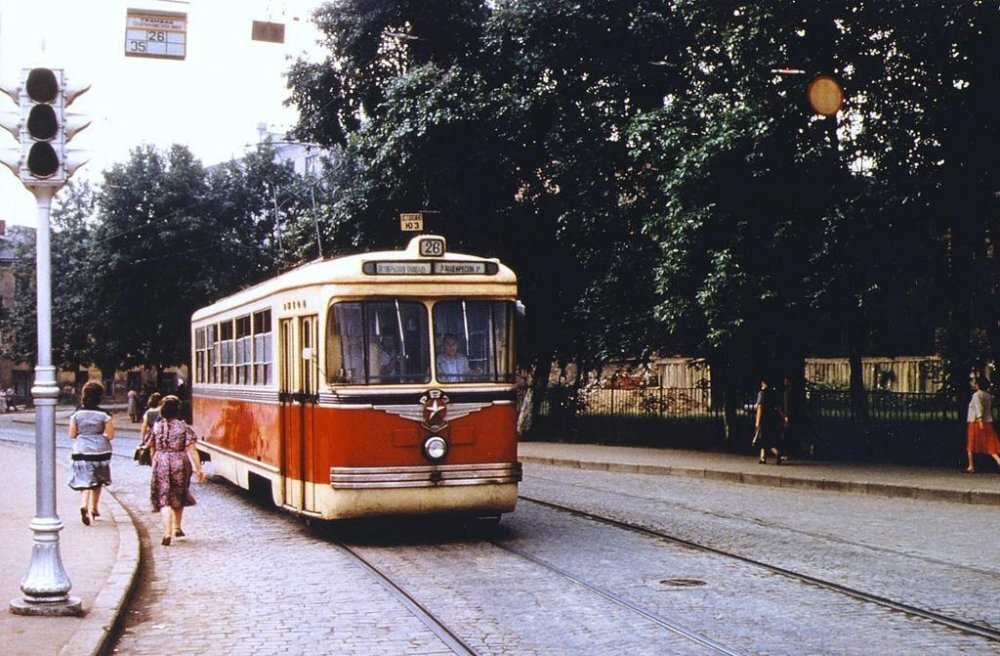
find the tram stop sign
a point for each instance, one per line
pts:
(825, 94)
(411, 222)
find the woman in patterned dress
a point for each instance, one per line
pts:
(91, 430)
(172, 443)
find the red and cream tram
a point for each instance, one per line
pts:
(372, 384)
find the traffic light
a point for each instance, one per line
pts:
(43, 127)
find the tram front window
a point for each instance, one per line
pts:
(472, 341)
(378, 343)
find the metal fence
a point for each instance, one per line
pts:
(911, 427)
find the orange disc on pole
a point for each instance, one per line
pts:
(826, 96)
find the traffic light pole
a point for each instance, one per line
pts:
(46, 585)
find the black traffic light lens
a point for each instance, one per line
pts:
(42, 122)
(42, 85)
(43, 162)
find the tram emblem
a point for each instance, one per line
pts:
(435, 405)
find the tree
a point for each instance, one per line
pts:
(72, 279)
(517, 150)
(253, 203)
(154, 244)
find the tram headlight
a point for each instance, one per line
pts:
(435, 448)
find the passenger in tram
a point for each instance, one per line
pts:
(385, 358)
(452, 366)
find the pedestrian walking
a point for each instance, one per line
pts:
(91, 430)
(798, 435)
(174, 456)
(769, 420)
(133, 405)
(150, 416)
(980, 437)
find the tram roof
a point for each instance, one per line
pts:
(348, 270)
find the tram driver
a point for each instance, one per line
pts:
(452, 366)
(385, 357)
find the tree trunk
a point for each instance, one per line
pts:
(531, 405)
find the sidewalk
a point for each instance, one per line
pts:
(102, 560)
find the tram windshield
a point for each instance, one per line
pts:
(472, 341)
(378, 342)
(388, 341)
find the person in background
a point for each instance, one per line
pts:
(980, 437)
(133, 405)
(798, 436)
(172, 443)
(769, 421)
(91, 430)
(150, 416)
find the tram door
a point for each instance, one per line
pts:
(299, 375)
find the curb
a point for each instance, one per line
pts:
(100, 626)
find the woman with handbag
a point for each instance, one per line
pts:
(150, 416)
(91, 430)
(174, 456)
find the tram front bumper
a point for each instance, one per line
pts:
(357, 478)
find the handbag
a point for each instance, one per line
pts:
(142, 456)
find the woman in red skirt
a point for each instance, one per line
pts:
(980, 436)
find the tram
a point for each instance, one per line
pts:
(366, 385)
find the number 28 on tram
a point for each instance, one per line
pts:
(373, 384)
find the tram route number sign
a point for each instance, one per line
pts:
(411, 222)
(160, 34)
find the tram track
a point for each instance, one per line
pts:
(437, 626)
(659, 619)
(964, 626)
(381, 572)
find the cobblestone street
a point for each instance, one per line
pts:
(255, 581)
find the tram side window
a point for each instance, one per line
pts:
(244, 355)
(483, 332)
(262, 342)
(201, 359)
(226, 352)
(212, 347)
(378, 343)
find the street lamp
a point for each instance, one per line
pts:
(43, 164)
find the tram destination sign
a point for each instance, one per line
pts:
(160, 34)
(425, 268)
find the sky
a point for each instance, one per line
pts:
(212, 101)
